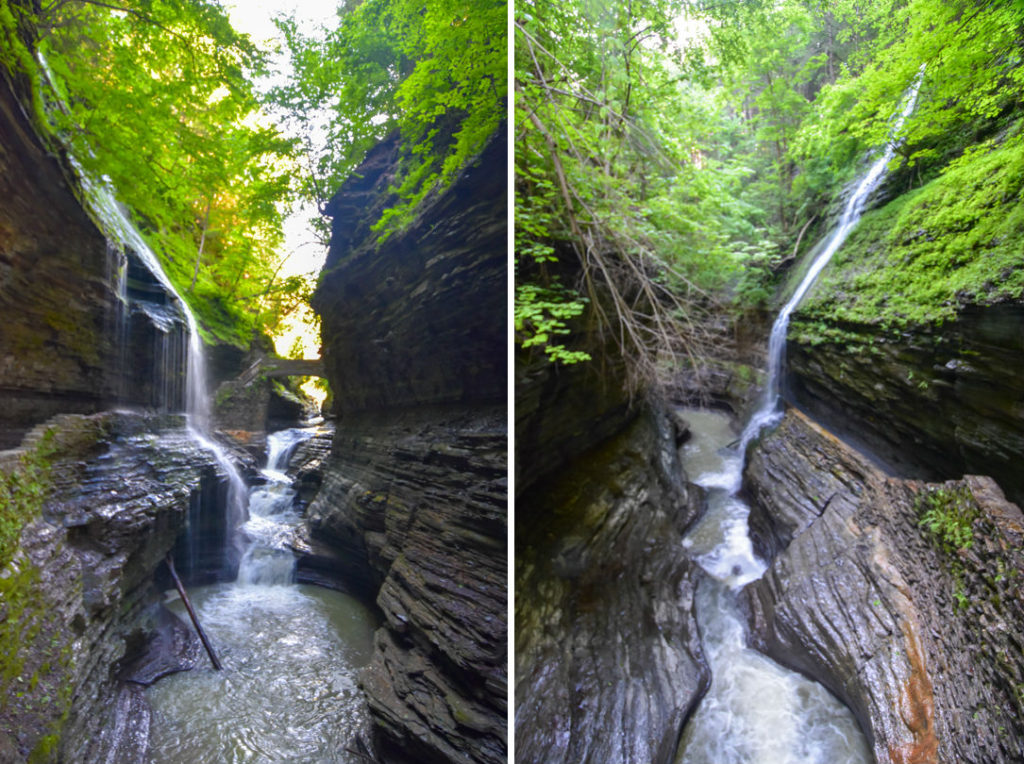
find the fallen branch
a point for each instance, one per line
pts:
(192, 613)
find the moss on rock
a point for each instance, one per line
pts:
(921, 258)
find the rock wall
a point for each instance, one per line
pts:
(920, 641)
(412, 511)
(70, 342)
(55, 294)
(82, 628)
(608, 658)
(936, 403)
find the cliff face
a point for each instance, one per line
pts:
(83, 629)
(85, 327)
(412, 511)
(55, 293)
(608, 658)
(918, 638)
(938, 402)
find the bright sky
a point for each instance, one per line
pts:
(304, 254)
(255, 17)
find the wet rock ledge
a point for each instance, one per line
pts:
(82, 629)
(922, 641)
(412, 513)
(608, 659)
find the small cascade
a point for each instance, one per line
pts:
(267, 558)
(116, 224)
(755, 711)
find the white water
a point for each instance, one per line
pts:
(119, 228)
(291, 653)
(755, 711)
(267, 558)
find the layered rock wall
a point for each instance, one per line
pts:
(412, 512)
(55, 285)
(85, 325)
(938, 402)
(80, 607)
(608, 658)
(921, 641)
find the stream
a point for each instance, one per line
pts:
(291, 653)
(757, 712)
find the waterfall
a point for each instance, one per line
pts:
(102, 201)
(770, 411)
(267, 559)
(755, 711)
(117, 226)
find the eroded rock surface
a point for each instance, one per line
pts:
(922, 644)
(608, 659)
(81, 605)
(939, 402)
(412, 512)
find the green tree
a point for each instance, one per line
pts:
(157, 97)
(435, 72)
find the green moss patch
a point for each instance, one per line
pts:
(959, 240)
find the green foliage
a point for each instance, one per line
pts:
(541, 316)
(157, 98)
(23, 488)
(613, 181)
(920, 258)
(436, 72)
(949, 515)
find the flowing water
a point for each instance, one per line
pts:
(291, 653)
(755, 711)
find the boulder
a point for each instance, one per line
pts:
(919, 639)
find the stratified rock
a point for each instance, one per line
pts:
(412, 511)
(608, 659)
(55, 295)
(922, 644)
(70, 342)
(79, 600)
(939, 401)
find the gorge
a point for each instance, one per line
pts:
(858, 535)
(136, 432)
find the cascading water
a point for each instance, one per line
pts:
(103, 204)
(755, 711)
(267, 558)
(291, 652)
(288, 691)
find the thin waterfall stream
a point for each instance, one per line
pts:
(756, 712)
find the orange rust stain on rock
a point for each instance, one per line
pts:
(242, 437)
(917, 707)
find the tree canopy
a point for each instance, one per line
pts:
(672, 156)
(435, 72)
(169, 104)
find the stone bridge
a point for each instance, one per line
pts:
(284, 367)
